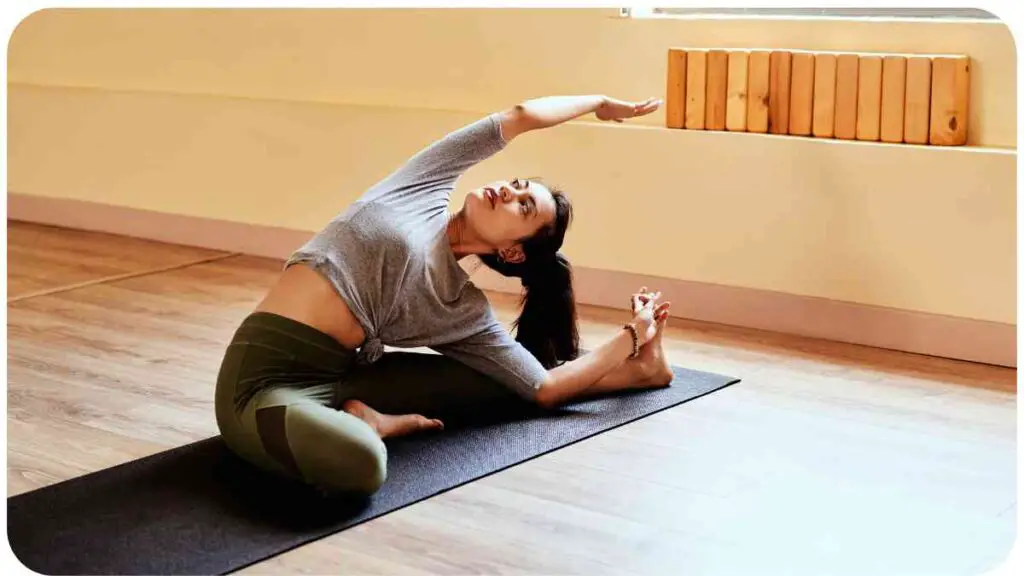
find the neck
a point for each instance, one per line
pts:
(461, 238)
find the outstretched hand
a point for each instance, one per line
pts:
(618, 110)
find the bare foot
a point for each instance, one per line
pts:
(388, 425)
(654, 368)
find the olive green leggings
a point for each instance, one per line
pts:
(281, 385)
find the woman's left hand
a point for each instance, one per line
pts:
(638, 299)
(617, 110)
(641, 298)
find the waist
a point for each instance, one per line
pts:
(298, 340)
(303, 295)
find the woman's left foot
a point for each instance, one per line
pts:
(655, 370)
(389, 425)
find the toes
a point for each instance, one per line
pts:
(425, 423)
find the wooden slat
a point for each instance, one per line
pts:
(780, 65)
(696, 87)
(894, 84)
(736, 100)
(917, 111)
(869, 97)
(675, 97)
(758, 83)
(801, 97)
(824, 96)
(951, 91)
(717, 89)
(847, 67)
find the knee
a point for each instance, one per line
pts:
(334, 451)
(367, 468)
(359, 463)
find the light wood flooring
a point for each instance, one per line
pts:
(827, 459)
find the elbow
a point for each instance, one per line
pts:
(545, 397)
(517, 120)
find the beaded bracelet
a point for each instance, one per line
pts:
(636, 340)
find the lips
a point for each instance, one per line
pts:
(491, 196)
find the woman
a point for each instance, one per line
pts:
(386, 271)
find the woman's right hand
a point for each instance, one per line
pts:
(648, 314)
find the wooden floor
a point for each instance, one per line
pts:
(826, 459)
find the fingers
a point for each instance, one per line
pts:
(638, 299)
(643, 301)
(649, 310)
(654, 307)
(618, 110)
(643, 296)
(647, 106)
(661, 312)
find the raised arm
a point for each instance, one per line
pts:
(553, 110)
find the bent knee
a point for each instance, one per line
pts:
(324, 447)
(371, 475)
(362, 466)
(344, 465)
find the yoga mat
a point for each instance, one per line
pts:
(198, 509)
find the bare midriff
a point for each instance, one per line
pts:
(305, 296)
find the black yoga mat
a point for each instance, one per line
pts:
(198, 509)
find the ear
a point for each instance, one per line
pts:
(513, 255)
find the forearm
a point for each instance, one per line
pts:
(584, 375)
(554, 110)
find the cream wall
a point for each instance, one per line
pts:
(282, 117)
(455, 59)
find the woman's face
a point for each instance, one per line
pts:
(504, 213)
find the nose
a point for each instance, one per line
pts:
(506, 193)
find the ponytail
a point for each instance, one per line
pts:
(547, 322)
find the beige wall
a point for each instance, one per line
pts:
(282, 117)
(454, 59)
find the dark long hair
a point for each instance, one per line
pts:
(547, 322)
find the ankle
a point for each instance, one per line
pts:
(364, 413)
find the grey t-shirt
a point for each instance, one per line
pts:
(388, 257)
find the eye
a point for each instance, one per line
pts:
(517, 183)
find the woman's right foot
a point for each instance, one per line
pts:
(389, 425)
